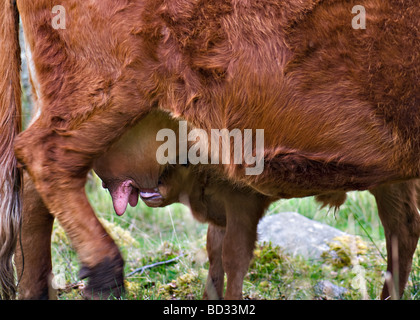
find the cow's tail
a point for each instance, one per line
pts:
(10, 126)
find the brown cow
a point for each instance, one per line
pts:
(339, 106)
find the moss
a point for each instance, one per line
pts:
(188, 286)
(345, 251)
(267, 259)
(275, 275)
(133, 290)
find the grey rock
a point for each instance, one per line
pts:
(296, 234)
(327, 290)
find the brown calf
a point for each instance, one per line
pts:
(339, 106)
(130, 167)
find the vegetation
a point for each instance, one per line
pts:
(151, 236)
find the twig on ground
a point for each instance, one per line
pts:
(149, 266)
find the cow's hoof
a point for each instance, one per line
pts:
(106, 279)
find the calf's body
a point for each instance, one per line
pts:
(130, 166)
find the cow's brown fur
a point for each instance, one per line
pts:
(339, 106)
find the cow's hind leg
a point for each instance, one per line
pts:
(33, 253)
(397, 208)
(58, 160)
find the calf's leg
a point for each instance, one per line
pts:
(397, 208)
(243, 213)
(215, 279)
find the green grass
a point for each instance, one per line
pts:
(147, 236)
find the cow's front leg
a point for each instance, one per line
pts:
(62, 189)
(58, 162)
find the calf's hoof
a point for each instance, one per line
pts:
(106, 279)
